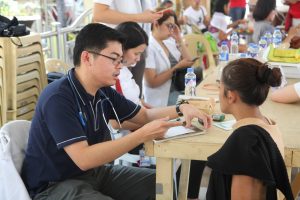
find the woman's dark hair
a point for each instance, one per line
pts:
(94, 37)
(263, 8)
(251, 79)
(135, 35)
(219, 6)
(166, 15)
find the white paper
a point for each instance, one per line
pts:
(225, 125)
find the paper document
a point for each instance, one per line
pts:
(226, 125)
(180, 132)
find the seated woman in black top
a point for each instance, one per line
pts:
(250, 163)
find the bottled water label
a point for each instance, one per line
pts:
(277, 38)
(268, 36)
(263, 42)
(190, 82)
(190, 86)
(224, 56)
(253, 50)
(234, 47)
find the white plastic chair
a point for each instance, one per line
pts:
(56, 65)
(13, 143)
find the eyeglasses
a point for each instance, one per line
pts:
(115, 61)
(170, 26)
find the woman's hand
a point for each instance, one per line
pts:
(190, 112)
(176, 34)
(184, 63)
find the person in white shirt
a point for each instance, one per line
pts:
(220, 24)
(196, 14)
(114, 12)
(164, 57)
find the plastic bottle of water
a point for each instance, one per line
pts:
(190, 82)
(223, 58)
(263, 44)
(269, 37)
(224, 52)
(253, 50)
(277, 38)
(234, 48)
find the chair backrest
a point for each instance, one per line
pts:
(56, 65)
(192, 40)
(13, 143)
(18, 132)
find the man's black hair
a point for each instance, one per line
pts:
(94, 37)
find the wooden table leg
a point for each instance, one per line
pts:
(184, 179)
(164, 179)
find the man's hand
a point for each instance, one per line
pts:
(157, 128)
(190, 112)
(149, 16)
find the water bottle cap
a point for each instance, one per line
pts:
(224, 43)
(190, 70)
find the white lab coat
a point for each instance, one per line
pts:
(157, 59)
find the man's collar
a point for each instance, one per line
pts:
(84, 96)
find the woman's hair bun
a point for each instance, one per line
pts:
(266, 75)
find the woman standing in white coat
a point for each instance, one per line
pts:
(166, 53)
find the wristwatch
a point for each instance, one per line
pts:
(180, 114)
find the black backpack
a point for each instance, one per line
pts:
(12, 28)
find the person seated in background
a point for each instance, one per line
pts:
(220, 24)
(250, 164)
(263, 15)
(196, 14)
(166, 53)
(134, 46)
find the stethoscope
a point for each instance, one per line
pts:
(81, 113)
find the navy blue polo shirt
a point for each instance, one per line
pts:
(56, 124)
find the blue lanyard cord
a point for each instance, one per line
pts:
(80, 113)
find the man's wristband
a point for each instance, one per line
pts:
(180, 114)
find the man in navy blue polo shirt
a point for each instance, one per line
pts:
(69, 147)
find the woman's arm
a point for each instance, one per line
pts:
(287, 94)
(154, 79)
(103, 13)
(247, 188)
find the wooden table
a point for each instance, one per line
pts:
(201, 146)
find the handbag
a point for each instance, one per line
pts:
(178, 79)
(12, 28)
